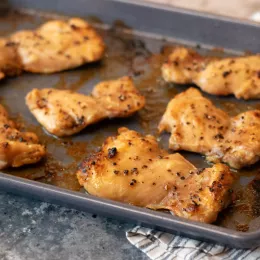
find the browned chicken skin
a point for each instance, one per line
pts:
(237, 75)
(63, 112)
(17, 148)
(132, 168)
(58, 45)
(197, 125)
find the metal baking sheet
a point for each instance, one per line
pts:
(139, 37)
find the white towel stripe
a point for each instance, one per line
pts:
(163, 246)
(247, 252)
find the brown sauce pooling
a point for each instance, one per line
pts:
(76, 79)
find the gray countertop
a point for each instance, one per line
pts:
(32, 230)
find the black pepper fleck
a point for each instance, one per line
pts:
(226, 73)
(134, 170)
(133, 181)
(112, 152)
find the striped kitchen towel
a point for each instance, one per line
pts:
(163, 246)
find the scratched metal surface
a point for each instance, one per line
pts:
(127, 54)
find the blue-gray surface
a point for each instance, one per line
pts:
(35, 230)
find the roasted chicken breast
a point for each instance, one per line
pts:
(196, 125)
(132, 168)
(218, 76)
(58, 45)
(17, 148)
(63, 112)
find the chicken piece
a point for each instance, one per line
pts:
(241, 142)
(58, 45)
(17, 148)
(132, 168)
(63, 112)
(10, 64)
(196, 125)
(237, 75)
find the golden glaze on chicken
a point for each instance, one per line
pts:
(63, 112)
(237, 75)
(17, 148)
(132, 168)
(196, 125)
(58, 45)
